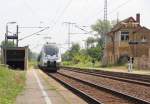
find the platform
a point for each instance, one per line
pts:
(41, 89)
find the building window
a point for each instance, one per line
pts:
(124, 36)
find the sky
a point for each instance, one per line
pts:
(53, 13)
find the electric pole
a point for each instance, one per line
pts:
(105, 10)
(17, 34)
(69, 27)
(105, 22)
(104, 37)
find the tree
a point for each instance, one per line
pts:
(75, 48)
(95, 53)
(90, 42)
(102, 27)
(32, 55)
(81, 58)
(68, 55)
(7, 44)
(100, 43)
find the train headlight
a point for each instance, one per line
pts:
(58, 60)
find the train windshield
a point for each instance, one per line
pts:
(51, 50)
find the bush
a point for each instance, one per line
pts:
(67, 63)
(81, 58)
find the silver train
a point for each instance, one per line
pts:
(50, 57)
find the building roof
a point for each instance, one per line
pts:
(141, 29)
(122, 23)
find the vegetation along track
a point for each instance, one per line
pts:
(95, 94)
(109, 74)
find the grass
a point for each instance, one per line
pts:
(97, 66)
(33, 64)
(11, 84)
(83, 65)
(114, 67)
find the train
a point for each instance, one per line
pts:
(50, 57)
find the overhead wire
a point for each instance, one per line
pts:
(113, 11)
(81, 29)
(101, 10)
(119, 6)
(34, 33)
(35, 14)
(31, 10)
(53, 19)
(62, 13)
(97, 14)
(66, 7)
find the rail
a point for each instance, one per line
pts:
(91, 99)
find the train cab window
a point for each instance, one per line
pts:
(51, 50)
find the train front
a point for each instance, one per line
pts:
(52, 57)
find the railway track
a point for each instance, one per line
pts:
(114, 75)
(141, 91)
(96, 94)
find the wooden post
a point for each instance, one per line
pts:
(26, 58)
(149, 53)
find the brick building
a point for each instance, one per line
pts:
(128, 38)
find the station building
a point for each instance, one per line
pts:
(129, 39)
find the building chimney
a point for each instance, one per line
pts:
(138, 18)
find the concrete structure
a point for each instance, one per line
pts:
(128, 39)
(15, 57)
